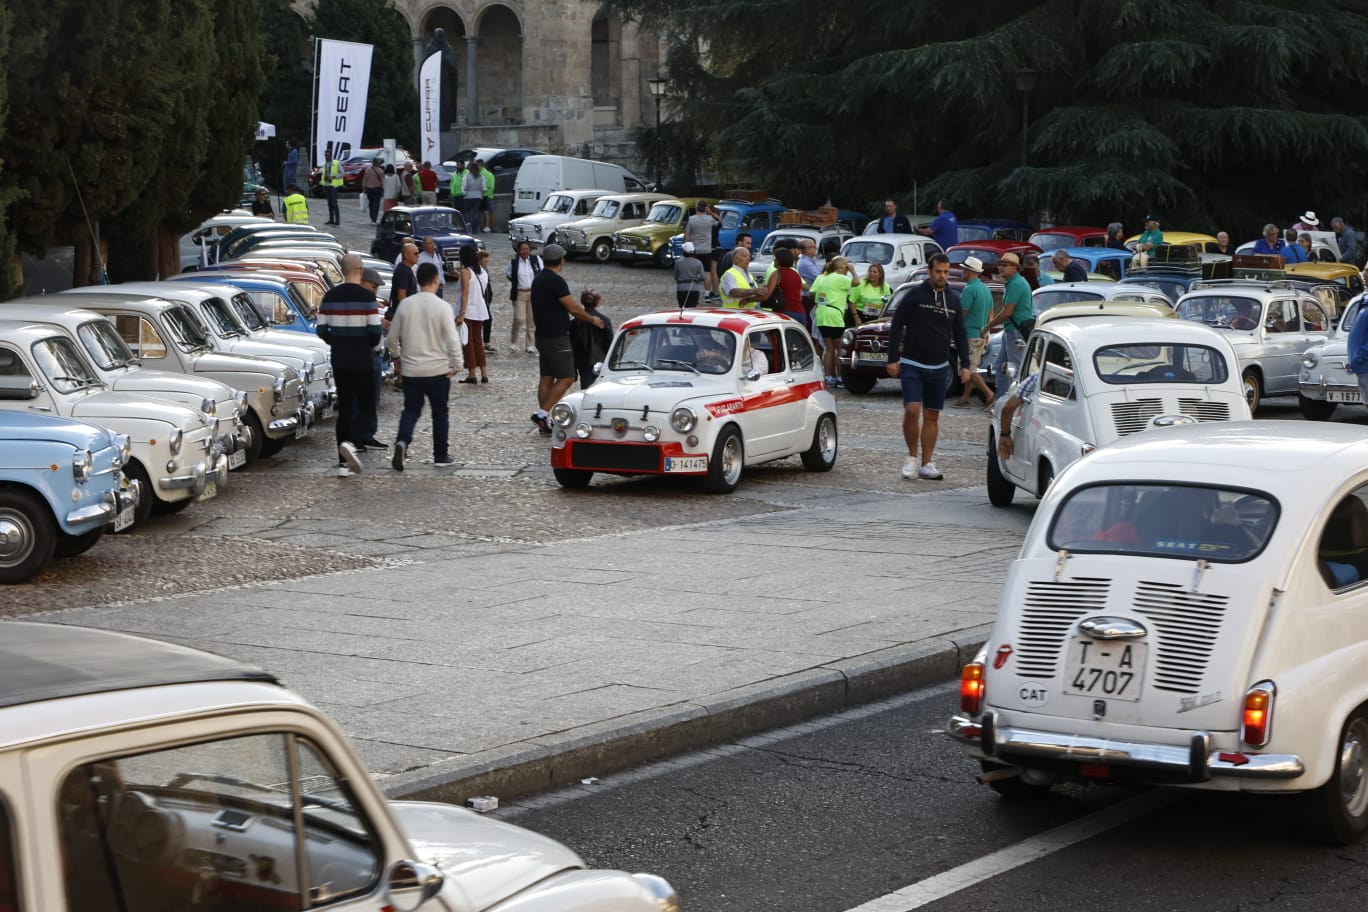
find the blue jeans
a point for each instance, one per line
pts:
(470, 208)
(436, 390)
(1008, 353)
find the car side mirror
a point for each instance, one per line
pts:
(409, 884)
(751, 374)
(598, 368)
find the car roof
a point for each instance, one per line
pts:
(892, 238)
(998, 245)
(1113, 328)
(1071, 229)
(1101, 253)
(26, 332)
(169, 291)
(51, 661)
(735, 319)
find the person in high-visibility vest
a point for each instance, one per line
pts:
(332, 184)
(737, 288)
(487, 203)
(296, 206)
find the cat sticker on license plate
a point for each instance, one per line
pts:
(1111, 669)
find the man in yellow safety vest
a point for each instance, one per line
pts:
(737, 288)
(296, 206)
(332, 184)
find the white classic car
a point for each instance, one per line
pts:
(136, 774)
(702, 393)
(539, 228)
(1326, 380)
(900, 255)
(1098, 379)
(1189, 608)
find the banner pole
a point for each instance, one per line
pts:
(313, 107)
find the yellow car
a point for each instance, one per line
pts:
(1205, 242)
(651, 239)
(1344, 274)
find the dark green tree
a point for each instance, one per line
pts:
(286, 96)
(10, 280)
(392, 102)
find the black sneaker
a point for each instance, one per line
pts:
(397, 460)
(374, 444)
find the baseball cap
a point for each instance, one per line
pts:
(1009, 258)
(689, 247)
(370, 274)
(553, 252)
(1151, 218)
(974, 264)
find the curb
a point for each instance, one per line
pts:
(631, 740)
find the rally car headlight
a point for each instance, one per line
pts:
(651, 433)
(81, 465)
(207, 406)
(563, 414)
(848, 339)
(683, 419)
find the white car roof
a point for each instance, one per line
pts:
(1107, 290)
(734, 319)
(890, 238)
(1099, 332)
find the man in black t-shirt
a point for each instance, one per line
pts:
(553, 307)
(403, 283)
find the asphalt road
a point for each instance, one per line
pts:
(840, 812)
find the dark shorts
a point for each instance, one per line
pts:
(555, 358)
(831, 332)
(924, 386)
(707, 259)
(687, 298)
(484, 204)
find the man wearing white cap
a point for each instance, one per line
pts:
(689, 272)
(976, 301)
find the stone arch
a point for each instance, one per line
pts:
(500, 61)
(451, 21)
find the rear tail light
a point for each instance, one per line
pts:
(971, 688)
(1257, 726)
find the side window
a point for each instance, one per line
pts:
(14, 374)
(582, 207)
(140, 335)
(1109, 268)
(1313, 318)
(1281, 317)
(1057, 377)
(213, 825)
(911, 254)
(800, 353)
(830, 246)
(1034, 356)
(767, 355)
(1343, 553)
(9, 884)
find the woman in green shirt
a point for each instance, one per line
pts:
(870, 296)
(831, 291)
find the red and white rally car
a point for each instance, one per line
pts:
(698, 392)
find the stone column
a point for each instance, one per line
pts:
(472, 81)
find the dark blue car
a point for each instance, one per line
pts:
(441, 222)
(993, 230)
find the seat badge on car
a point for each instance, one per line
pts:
(620, 426)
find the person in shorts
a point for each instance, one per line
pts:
(924, 326)
(690, 274)
(553, 307)
(977, 303)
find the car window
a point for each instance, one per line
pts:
(607, 208)
(665, 213)
(214, 825)
(1160, 363)
(674, 348)
(246, 311)
(62, 364)
(140, 335)
(730, 219)
(754, 220)
(1186, 522)
(972, 234)
(1313, 317)
(215, 313)
(829, 247)
(1222, 311)
(987, 257)
(800, 353)
(1048, 297)
(1343, 553)
(582, 207)
(1051, 241)
(862, 251)
(1109, 268)
(1034, 355)
(1282, 317)
(765, 351)
(14, 373)
(103, 344)
(309, 297)
(1057, 377)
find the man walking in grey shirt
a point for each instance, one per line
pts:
(698, 230)
(427, 352)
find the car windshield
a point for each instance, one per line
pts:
(1046, 240)
(973, 234)
(674, 347)
(185, 329)
(558, 202)
(730, 219)
(242, 303)
(307, 298)
(987, 257)
(862, 251)
(1048, 297)
(606, 208)
(1188, 522)
(216, 314)
(665, 214)
(104, 345)
(66, 370)
(439, 220)
(1223, 311)
(1160, 363)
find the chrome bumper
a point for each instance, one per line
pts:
(110, 506)
(1319, 389)
(194, 482)
(1193, 762)
(282, 426)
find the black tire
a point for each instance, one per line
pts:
(1316, 409)
(135, 472)
(270, 447)
(1337, 812)
(601, 251)
(171, 507)
(30, 524)
(627, 261)
(1014, 787)
(258, 435)
(551, 239)
(662, 256)
(859, 384)
(1253, 390)
(821, 456)
(1046, 478)
(727, 462)
(573, 478)
(72, 545)
(1000, 487)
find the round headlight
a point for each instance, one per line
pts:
(81, 466)
(651, 433)
(583, 430)
(207, 406)
(278, 388)
(563, 414)
(125, 445)
(175, 441)
(683, 419)
(1310, 359)
(848, 339)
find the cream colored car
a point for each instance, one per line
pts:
(594, 234)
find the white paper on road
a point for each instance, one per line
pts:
(343, 85)
(430, 107)
(947, 883)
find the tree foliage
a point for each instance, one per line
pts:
(392, 103)
(1218, 113)
(9, 272)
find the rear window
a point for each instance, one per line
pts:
(1160, 363)
(1046, 298)
(1188, 522)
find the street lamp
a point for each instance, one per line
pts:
(657, 86)
(1025, 82)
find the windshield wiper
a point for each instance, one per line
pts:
(689, 364)
(78, 382)
(181, 779)
(622, 364)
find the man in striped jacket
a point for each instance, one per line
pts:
(349, 322)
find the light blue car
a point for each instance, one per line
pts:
(61, 487)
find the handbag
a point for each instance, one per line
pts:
(463, 333)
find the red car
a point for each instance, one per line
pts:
(1069, 236)
(988, 252)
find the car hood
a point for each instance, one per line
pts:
(295, 357)
(98, 408)
(486, 860)
(196, 389)
(50, 427)
(290, 338)
(225, 362)
(660, 391)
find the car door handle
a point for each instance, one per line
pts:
(788, 379)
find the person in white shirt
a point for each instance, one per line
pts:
(522, 269)
(426, 348)
(430, 254)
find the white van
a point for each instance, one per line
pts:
(542, 175)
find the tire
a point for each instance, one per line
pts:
(1316, 409)
(859, 384)
(1046, 478)
(1337, 812)
(550, 239)
(1000, 488)
(270, 447)
(1014, 787)
(726, 464)
(72, 545)
(572, 478)
(1253, 390)
(258, 436)
(30, 535)
(171, 507)
(662, 256)
(821, 456)
(601, 251)
(135, 472)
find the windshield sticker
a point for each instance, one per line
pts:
(1191, 547)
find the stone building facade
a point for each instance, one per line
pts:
(557, 75)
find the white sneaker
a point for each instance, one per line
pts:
(344, 472)
(530, 350)
(347, 452)
(910, 467)
(929, 472)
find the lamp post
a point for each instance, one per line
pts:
(1025, 82)
(657, 86)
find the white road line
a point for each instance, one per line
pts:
(947, 883)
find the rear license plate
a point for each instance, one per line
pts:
(1105, 668)
(237, 459)
(210, 491)
(870, 358)
(125, 517)
(686, 463)
(1343, 396)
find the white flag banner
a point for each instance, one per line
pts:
(430, 107)
(343, 82)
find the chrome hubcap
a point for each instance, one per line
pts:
(731, 460)
(16, 538)
(1353, 787)
(826, 439)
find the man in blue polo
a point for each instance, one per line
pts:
(944, 228)
(1016, 317)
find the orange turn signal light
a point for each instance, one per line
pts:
(1258, 714)
(971, 688)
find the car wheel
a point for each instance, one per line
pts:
(135, 472)
(1315, 409)
(821, 456)
(270, 447)
(1253, 390)
(28, 535)
(1000, 488)
(1046, 478)
(1012, 786)
(859, 384)
(728, 458)
(257, 434)
(572, 478)
(171, 507)
(602, 251)
(72, 545)
(662, 256)
(551, 238)
(1337, 812)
